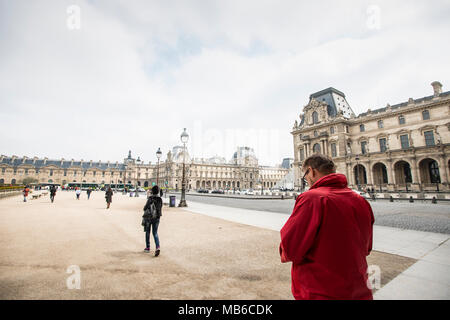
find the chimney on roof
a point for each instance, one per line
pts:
(34, 159)
(62, 161)
(45, 160)
(24, 158)
(71, 163)
(437, 88)
(90, 163)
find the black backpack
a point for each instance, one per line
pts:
(150, 214)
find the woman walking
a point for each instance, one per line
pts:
(78, 192)
(108, 197)
(154, 203)
(25, 193)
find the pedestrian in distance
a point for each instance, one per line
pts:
(25, 192)
(52, 193)
(161, 193)
(78, 192)
(328, 236)
(108, 197)
(89, 192)
(151, 218)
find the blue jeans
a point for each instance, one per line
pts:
(154, 227)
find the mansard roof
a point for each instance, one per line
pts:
(403, 104)
(63, 164)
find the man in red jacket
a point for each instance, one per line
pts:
(328, 236)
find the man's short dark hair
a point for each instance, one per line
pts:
(321, 163)
(155, 190)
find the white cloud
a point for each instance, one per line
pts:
(137, 72)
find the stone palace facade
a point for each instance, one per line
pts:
(403, 147)
(241, 172)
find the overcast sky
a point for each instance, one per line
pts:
(130, 75)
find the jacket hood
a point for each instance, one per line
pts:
(334, 180)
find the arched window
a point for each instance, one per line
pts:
(332, 130)
(315, 117)
(316, 148)
(434, 172)
(333, 150)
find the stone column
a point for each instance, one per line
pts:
(351, 181)
(323, 147)
(369, 173)
(391, 174)
(443, 172)
(415, 171)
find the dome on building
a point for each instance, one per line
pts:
(177, 154)
(244, 156)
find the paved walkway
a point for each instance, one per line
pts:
(428, 278)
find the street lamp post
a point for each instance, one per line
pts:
(158, 155)
(184, 140)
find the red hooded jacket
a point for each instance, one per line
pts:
(327, 238)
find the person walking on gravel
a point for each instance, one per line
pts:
(108, 197)
(78, 192)
(151, 218)
(52, 193)
(25, 193)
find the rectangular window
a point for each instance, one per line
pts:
(383, 144)
(425, 115)
(404, 141)
(429, 138)
(380, 124)
(65, 173)
(333, 150)
(401, 120)
(362, 128)
(51, 173)
(332, 130)
(302, 154)
(363, 147)
(26, 171)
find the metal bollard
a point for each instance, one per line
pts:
(391, 199)
(434, 200)
(411, 199)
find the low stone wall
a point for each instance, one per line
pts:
(9, 194)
